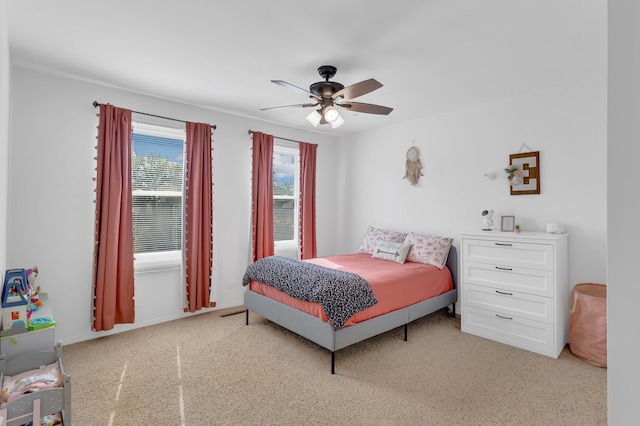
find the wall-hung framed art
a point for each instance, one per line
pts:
(526, 166)
(507, 223)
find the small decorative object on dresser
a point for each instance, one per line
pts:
(515, 289)
(555, 228)
(487, 222)
(507, 223)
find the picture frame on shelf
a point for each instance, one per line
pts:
(507, 223)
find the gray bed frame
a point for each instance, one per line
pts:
(20, 411)
(323, 334)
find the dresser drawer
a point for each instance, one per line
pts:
(531, 281)
(510, 303)
(520, 332)
(511, 253)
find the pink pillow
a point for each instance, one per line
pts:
(429, 249)
(374, 236)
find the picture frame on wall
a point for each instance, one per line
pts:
(507, 223)
(528, 165)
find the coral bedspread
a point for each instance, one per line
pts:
(395, 285)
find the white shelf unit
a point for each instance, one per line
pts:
(515, 289)
(30, 341)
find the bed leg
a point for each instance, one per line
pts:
(246, 317)
(452, 311)
(333, 362)
(406, 331)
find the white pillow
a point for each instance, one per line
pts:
(374, 236)
(429, 249)
(395, 252)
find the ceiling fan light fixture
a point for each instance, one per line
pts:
(314, 118)
(327, 94)
(337, 122)
(331, 114)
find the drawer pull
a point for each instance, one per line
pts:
(504, 292)
(500, 316)
(504, 269)
(504, 244)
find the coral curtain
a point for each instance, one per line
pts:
(198, 226)
(113, 284)
(308, 153)
(262, 196)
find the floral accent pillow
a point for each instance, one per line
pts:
(395, 252)
(374, 236)
(429, 249)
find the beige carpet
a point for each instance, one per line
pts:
(214, 370)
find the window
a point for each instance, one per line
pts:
(286, 190)
(157, 189)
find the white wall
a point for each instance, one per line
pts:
(623, 233)
(51, 209)
(4, 133)
(567, 125)
(54, 228)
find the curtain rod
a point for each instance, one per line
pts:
(278, 137)
(97, 104)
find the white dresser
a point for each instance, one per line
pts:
(515, 289)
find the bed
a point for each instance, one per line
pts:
(311, 322)
(52, 402)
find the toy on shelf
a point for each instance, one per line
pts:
(40, 323)
(34, 291)
(32, 280)
(15, 298)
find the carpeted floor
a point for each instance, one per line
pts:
(212, 369)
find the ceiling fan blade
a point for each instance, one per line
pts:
(290, 106)
(366, 108)
(358, 89)
(296, 89)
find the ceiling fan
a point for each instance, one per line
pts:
(329, 94)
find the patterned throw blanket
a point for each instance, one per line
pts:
(340, 293)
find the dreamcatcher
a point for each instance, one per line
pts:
(414, 166)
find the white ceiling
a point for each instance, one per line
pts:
(431, 55)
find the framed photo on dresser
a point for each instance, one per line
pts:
(507, 223)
